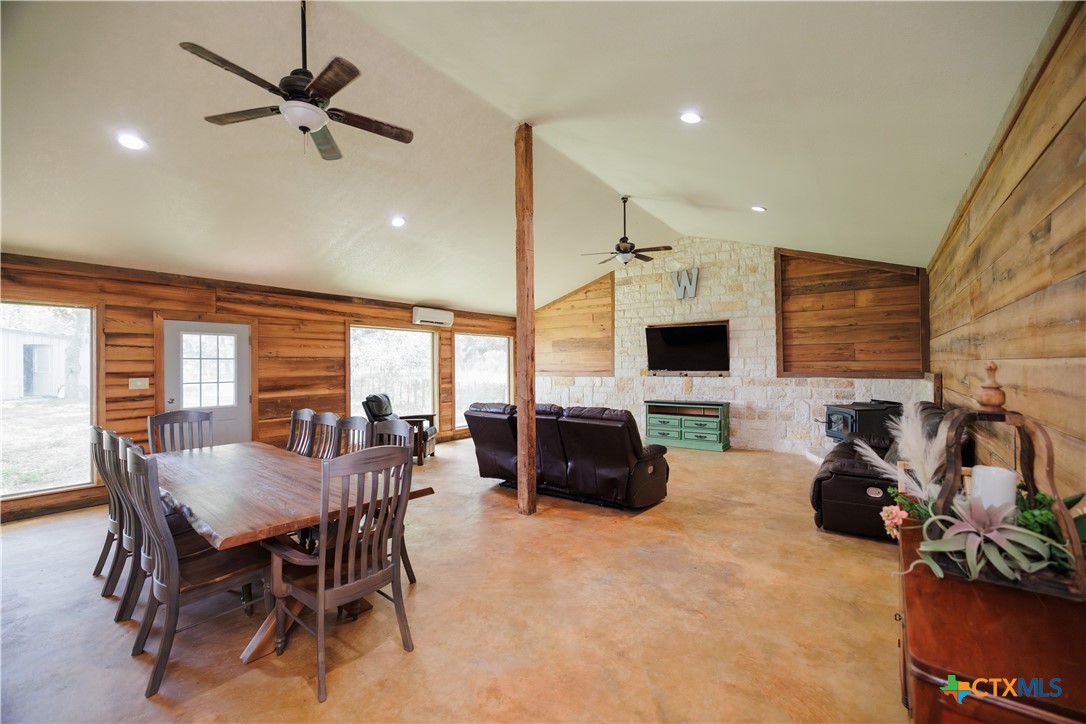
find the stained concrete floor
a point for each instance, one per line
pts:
(723, 603)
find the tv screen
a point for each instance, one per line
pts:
(688, 348)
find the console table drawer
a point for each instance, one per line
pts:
(712, 425)
(700, 436)
(656, 433)
(665, 421)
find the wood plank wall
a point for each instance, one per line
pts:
(301, 352)
(839, 317)
(575, 335)
(1008, 282)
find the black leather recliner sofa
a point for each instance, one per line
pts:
(591, 454)
(847, 494)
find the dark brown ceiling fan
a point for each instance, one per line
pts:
(625, 249)
(305, 99)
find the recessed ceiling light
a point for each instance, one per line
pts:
(131, 141)
(690, 117)
(759, 209)
(398, 221)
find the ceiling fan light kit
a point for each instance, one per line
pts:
(304, 99)
(303, 116)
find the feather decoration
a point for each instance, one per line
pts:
(909, 486)
(927, 457)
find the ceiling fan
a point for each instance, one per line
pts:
(305, 100)
(625, 249)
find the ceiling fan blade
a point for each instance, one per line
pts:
(368, 124)
(597, 253)
(253, 113)
(605, 261)
(324, 142)
(232, 67)
(655, 248)
(642, 257)
(331, 80)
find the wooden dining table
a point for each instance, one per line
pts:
(243, 493)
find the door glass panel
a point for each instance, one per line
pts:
(398, 362)
(208, 364)
(482, 371)
(45, 400)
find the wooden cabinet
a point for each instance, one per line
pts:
(976, 632)
(699, 425)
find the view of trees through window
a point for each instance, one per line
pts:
(45, 400)
(398, 362)
(482, 371)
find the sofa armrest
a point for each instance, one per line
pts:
(652, 451)
(856, 468)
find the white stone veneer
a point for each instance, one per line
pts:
(735, 283)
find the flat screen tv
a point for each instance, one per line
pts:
(688, 347)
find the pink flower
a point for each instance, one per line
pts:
(893, 516)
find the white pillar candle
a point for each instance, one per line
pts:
(994, 486)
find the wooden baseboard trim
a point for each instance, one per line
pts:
(48, 503)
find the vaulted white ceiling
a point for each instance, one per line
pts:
(858, 125)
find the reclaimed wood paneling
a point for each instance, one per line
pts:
(841, 317)
(575, 335)
(300, 351)
(1008, 282)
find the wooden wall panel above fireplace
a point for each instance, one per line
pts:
(839, 317)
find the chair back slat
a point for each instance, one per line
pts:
(300, 440)
(116, 507)
(354, 434)
(142, 481)
(180, 430)
(393, 432)
(369, 489)
(325, 436)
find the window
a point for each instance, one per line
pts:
(482, 371)
(45, 400)
(208, 364)
(398, 362)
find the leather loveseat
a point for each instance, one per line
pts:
(847, 494)
(586, 453)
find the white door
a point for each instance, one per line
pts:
(207, 368)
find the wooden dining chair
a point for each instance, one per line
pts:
(133, 536)
(363, 504)
(354, 434)
(115, 521)
(325, 436)
(400, 433)
(177, 582)
(300, 439)
(179, 430)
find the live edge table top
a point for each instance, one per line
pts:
(244, 492)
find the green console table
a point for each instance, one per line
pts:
(699, 425)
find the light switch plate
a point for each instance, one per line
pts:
(138, 383)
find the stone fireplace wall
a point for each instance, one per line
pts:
(735, 283)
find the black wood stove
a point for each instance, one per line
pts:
(867, 418)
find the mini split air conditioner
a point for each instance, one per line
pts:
(434, 317)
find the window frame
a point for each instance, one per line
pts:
(509, 363)
(61, 498)
(435, 381)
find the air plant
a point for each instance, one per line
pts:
(977, 536)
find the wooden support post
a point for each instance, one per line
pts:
(525, 342)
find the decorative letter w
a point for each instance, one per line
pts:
(687, 285)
